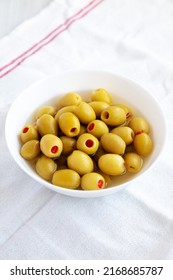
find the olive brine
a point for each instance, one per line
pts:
(83, 145)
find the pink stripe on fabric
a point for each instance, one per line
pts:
(58, 30)
(47, 36)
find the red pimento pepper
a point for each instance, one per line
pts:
(139, 132)
(89, 143)
(25, 129)
(91, 126)
(73, 129)
(54, 149)
(100, 184)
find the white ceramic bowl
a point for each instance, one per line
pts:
(50, 89)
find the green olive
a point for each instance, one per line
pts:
(139, 125)
(133, 162)
(69, 124)
(97, 128)
(127, 110)
(70, 109)
(113, 143)
(45, 167)
(50, 110)
(143, 144)
(29, 132)
(51, 145)
(80, 162)
(46, 124)
(92, 181)
(30, 150)
(85, 113)
(125, 132)
(70, 98)
(69, 144)
(111, 164)
(113, 115)
(98, 107)
(87, 143)
(101, 94)
(66, 178)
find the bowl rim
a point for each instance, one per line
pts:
(76, 192)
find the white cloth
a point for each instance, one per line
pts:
(133, 38)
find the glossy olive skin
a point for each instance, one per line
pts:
(139, 124)
(133, 162)
(143, 144)
(125, 132)
(66, 178)
(46, 124)
(101, 94)
(98, 107)
(28, 133)
(97, 128)
(69, 144)
(87, 143)
(69, 124)
(50, 110)
(113, 143)
(51, 145)
(69, 99)
(111, 164)
(92, 181)
(65, 109)
(85, 113)
(128, 111)
(30, 150)
(45, 167)
(80, 162)
(113, 116)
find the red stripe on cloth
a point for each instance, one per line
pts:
(47, 36)
(56, 32)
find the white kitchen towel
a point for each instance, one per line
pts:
(131, 38)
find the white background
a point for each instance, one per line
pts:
(14, 12)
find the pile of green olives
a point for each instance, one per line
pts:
(79, 144)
